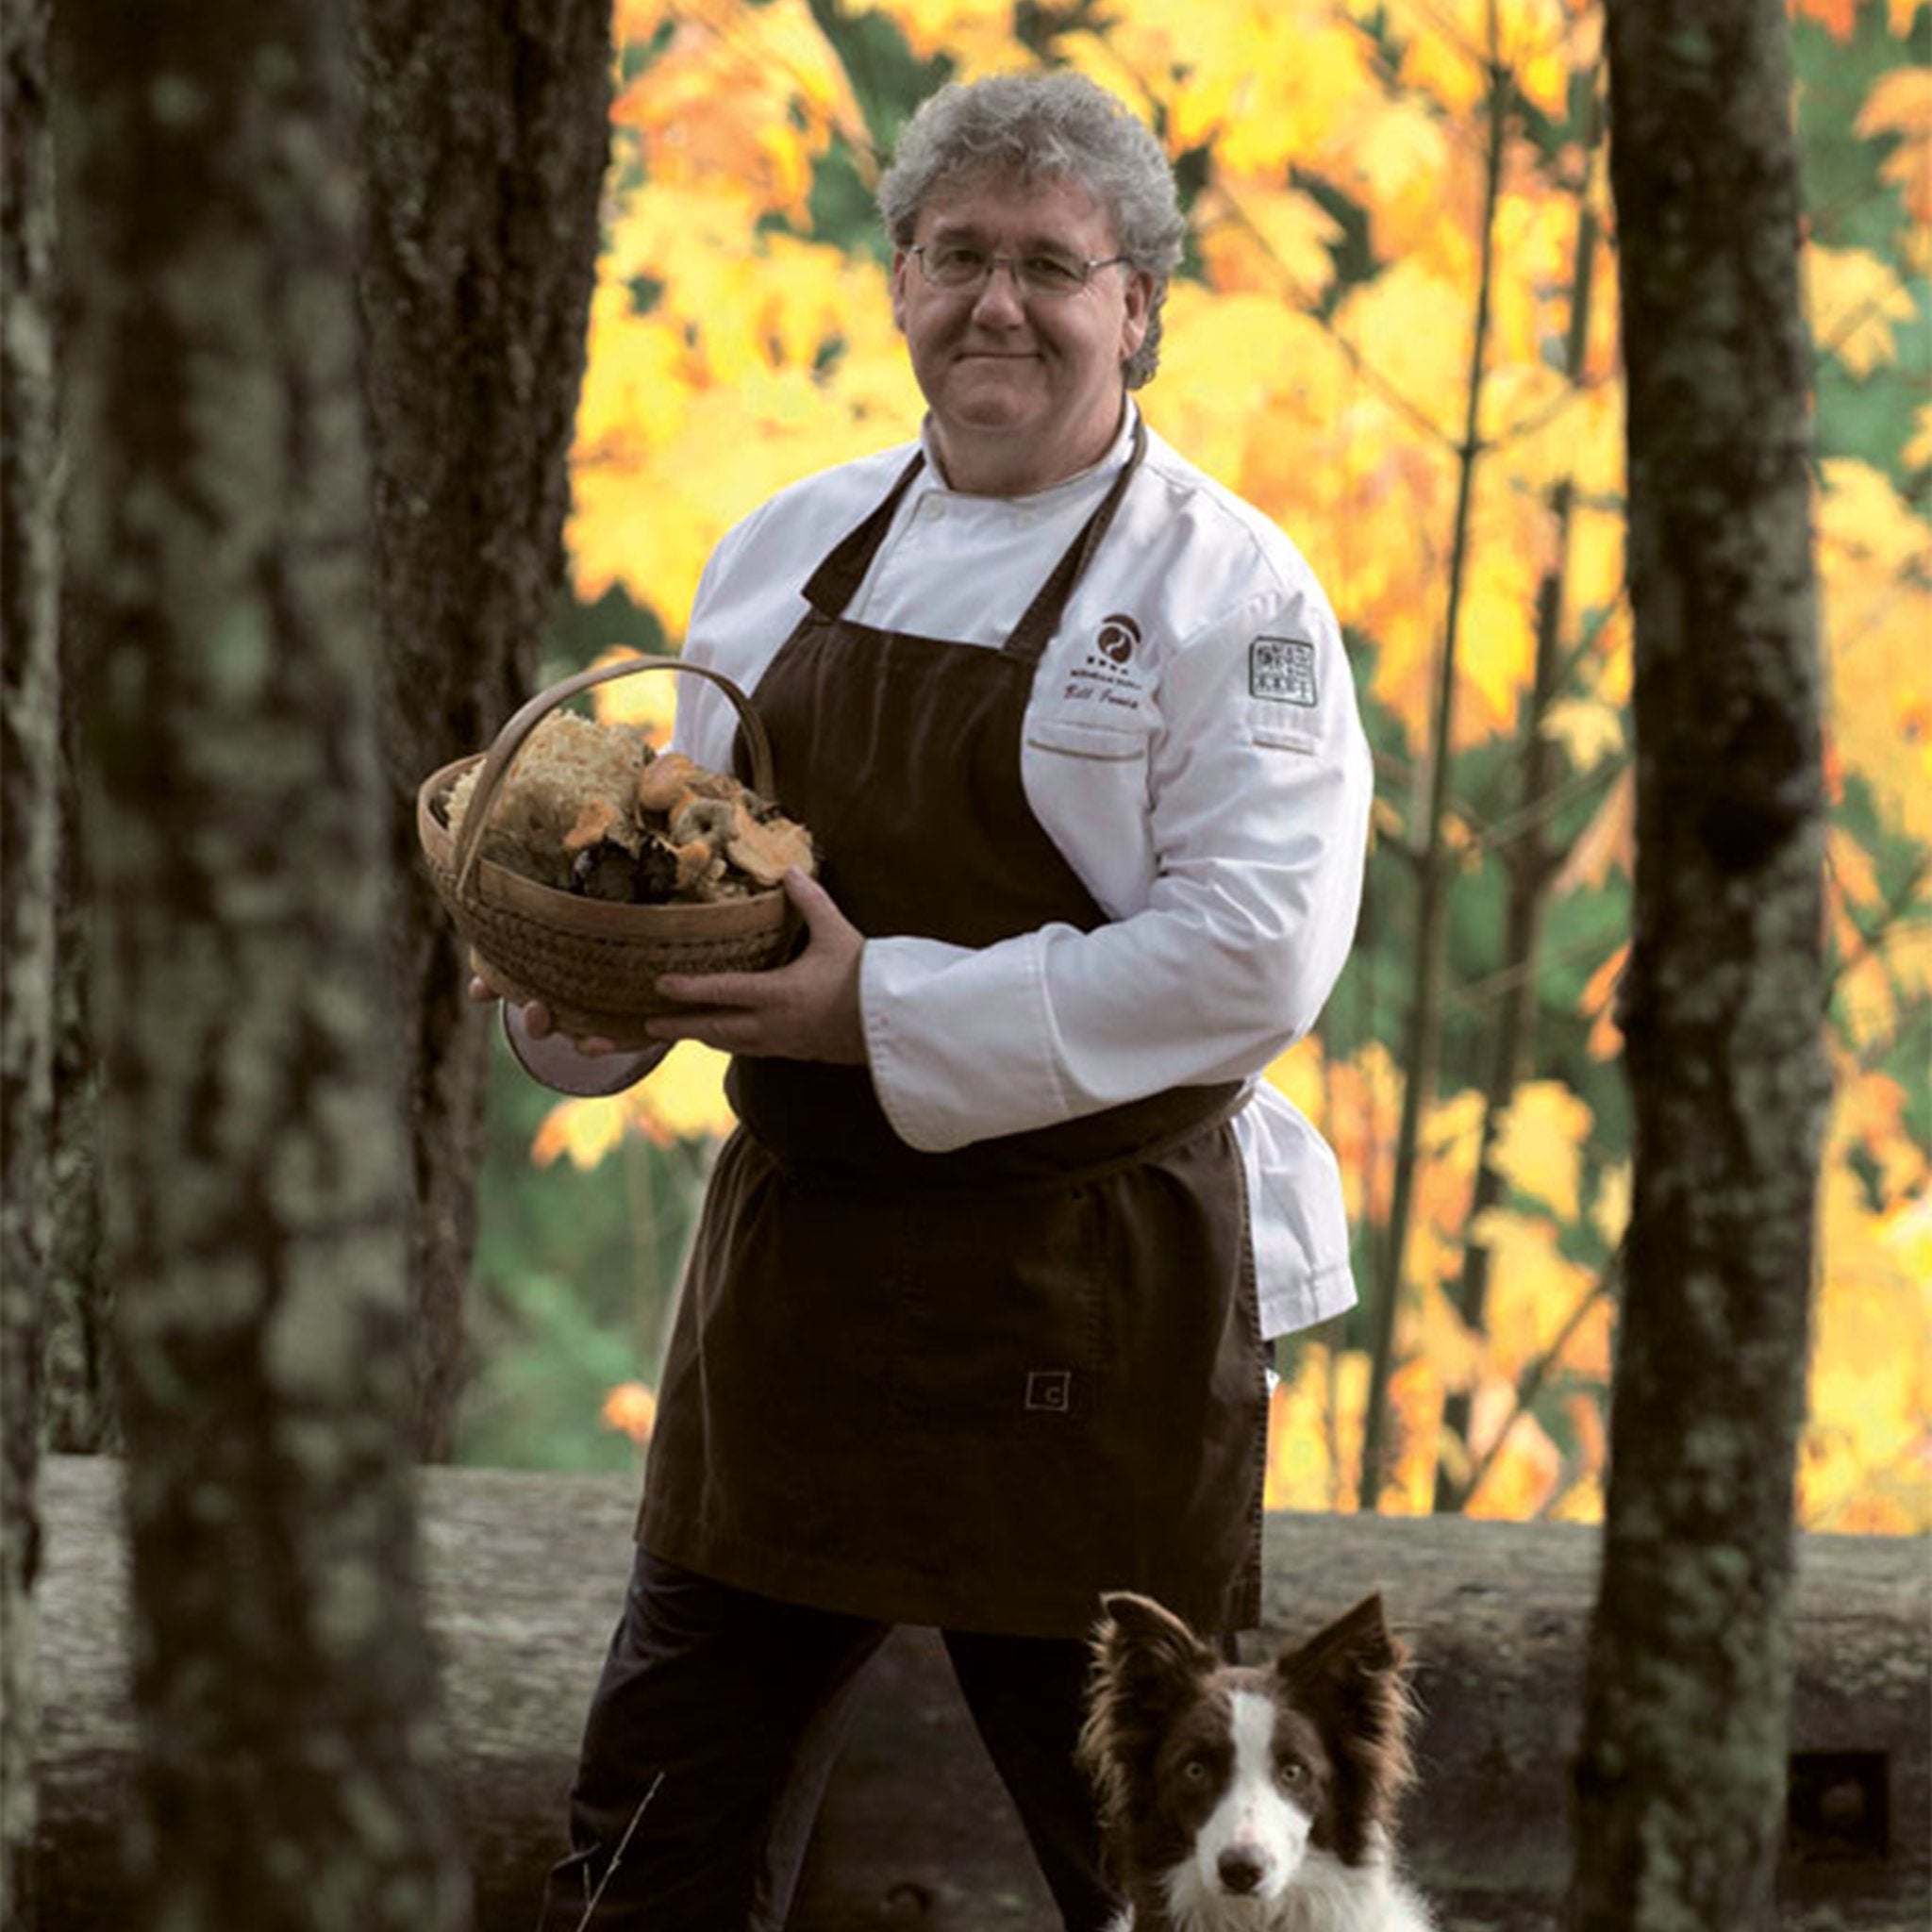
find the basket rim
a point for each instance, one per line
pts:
(496, 886)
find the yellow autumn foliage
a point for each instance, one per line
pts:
(732, 350)
(682, 1098)
(1540, 1151)
(1857, 302)
(1874, 560)
(1899, 105)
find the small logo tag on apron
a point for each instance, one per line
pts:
(1049, 1392)
(1282, 669)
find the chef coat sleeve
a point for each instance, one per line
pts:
(1259, 788)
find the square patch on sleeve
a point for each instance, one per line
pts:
(1282, 669)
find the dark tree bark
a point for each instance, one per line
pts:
(80, 1414)
(30, 708)
(236, 828)
(487, 142)
(1688, 1690)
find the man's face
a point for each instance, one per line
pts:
(1025, 388)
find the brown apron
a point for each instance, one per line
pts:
(972, 1390)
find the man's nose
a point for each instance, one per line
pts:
(1000, 291)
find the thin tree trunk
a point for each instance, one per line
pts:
(1530, 863)
(237, 844)
(1423, 1038)
(29, 724)
(487, 143)
(1683, 1762)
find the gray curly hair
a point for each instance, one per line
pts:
(1035, 127)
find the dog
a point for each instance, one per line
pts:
(1251, 1799)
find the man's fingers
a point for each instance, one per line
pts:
(717, 989)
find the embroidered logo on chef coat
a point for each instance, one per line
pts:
(1282, 669)
(1049, 1392)
(1116, 637)
(1107, 673)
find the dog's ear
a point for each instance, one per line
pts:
(1357, 1644)
(1140, 1639)
(1352, 1674)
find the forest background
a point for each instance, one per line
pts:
(1394, 331)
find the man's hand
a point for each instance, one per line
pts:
(806, 1010)
(533, 1015)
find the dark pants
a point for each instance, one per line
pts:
(712, 1733)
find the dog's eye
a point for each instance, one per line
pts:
(1196, 1771)
(1292, 1773)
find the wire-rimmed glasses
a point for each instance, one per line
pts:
(958, 266)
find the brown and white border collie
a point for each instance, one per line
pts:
(1257, 1798)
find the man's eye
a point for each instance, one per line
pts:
(1053, 272)
(953, 260)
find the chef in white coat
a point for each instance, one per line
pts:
(977, 1319)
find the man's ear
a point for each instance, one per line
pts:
(902, 267)
(1140, 312)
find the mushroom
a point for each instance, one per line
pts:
(663, 783)
(766, 852)
(596, 821)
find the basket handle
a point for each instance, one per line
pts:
(509, 741)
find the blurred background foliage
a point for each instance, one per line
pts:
(1395, 331)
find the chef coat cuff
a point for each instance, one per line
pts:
(960, 1040)
(554, 1062)
(1298, 1216)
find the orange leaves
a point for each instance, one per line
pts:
(1867, 1456)
(1901, 105)
(1266, 83)
(1539, 1151)
(1857, 304)
(681, 1099)
(1874, 557)
(1450, 45)
(763, 357)
(631, 1408)
(645, 701)
(1317, 357)
(743, 98)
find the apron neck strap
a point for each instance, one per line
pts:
(1034, 632)
(835, 583)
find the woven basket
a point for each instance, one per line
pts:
(593, 963)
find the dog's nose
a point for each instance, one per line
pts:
(1241, 1868)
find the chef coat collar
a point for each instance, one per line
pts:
(932, 477)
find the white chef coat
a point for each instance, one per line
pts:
(1193, 749)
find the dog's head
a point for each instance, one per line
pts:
(1226, 1777)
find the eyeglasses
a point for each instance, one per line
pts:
(957, 266)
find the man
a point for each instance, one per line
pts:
(975, 1325)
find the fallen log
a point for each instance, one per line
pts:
(526, 1574)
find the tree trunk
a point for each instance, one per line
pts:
(1530, 861)
(1422, 1038)
(236, 833)
(80, 1413)
(1689, 1680)
(30, 723)
(487, 142)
